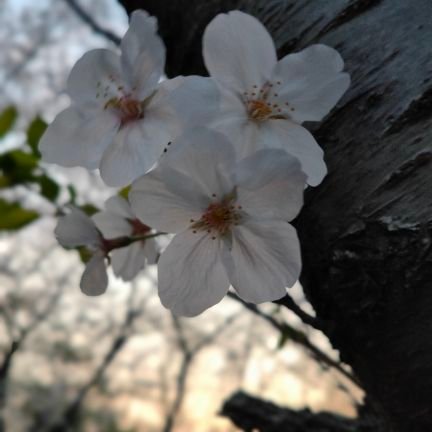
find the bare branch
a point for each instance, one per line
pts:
(250, 413)
(69, 416)
(188, 356)
(89, 20)
(290, 304)
(298, 337)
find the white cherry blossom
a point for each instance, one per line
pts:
(76, 229)
(264, 100)
(117, 221)
(120, 118)
(230, 220)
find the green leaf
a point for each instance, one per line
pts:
(7, 119)
(14, 217)
(124, 193)
(290, 333)
(16, 167)
(49, 188)
(72, 194)
(89, 209)
(34, 132)
(84, 254)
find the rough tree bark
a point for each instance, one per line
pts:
(366, 231)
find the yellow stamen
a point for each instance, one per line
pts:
(259, 110)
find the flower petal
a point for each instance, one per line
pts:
(76, 229)
(238, 51)
(151, 251)
(195, 101)
(95, 78)
(112, 225)
(128, 261)
(131, 154)
(77, 138)
(166, 200)
(244, 134)
(298, 142)
(142, 54)
(94, 280)
(191, 275)
(312, 82)
(266, 256)
(278, 189)
(119, 206)
(206, 157)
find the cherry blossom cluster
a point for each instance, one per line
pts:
(221, 162)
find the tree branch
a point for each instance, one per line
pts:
(188, 356)
(70, 415)
(298, 337)
(253, 414)
(290, 304)
(89, 20)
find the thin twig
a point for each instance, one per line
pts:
(290, 304)
(70, 414)
(89, 20)
(188, 356)
(298, 337)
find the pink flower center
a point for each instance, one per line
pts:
(127, 109)
(264, 103)
(259, 110)
(218, 218)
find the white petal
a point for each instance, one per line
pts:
(195, 101)
(151, 251)
(76, 229)
(119, 206)
(206, 157)
(95, 77)
(128, 261)
(244, 134)
(166, 200)
(312, 82)
(266, 257)
(238, 51)
(270, 183)
(143, 54)
(112, 225)
(298, 142)
(191, 275)
(131, 154)
(94, 280)
(77, 138)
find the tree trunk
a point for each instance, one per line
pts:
(366, 231)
